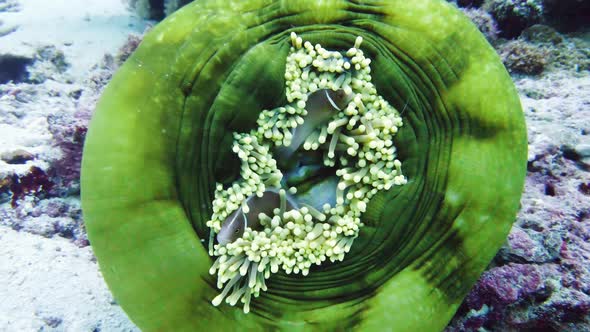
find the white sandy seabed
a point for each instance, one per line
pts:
(50, 284)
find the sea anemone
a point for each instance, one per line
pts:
(335, 117)
(328, 165)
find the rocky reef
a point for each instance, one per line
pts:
(540, 279)
(513, 16)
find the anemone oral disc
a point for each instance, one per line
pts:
(331, 99)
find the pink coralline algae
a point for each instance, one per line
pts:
(69, 134)
(540, 279)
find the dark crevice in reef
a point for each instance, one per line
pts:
(157, 9)
(568, 15)
(14, 68)
(549, 189)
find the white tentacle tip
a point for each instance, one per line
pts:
(217, 300)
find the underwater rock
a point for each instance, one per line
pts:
(128, 48)
(49, 63)
(583, 150)
(541, 278)
(522, 57)
(68, 133)
(513, 16)
(33, 200)
(53, 55)
(540, 33)
(47, 217)
(563, 51)
(574, 55)
(5, 193)
(551, 235)
(518, 297)
(579, 153)
(506, 285)
(526, 247)
(6, 30)
(18, 156)
(9, 6)
(52, 322)
(484, 22)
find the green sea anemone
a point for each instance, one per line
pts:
(334, 120)
(326, 165)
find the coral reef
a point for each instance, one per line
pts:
(540, 279)
(540, 47)
(573, 54)
(133, 41)
(68, 134)
(47, 217)
(39, 187)
(543, 34)
(513, 16)
(484, 22)
(523, 58)
(48, 63)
